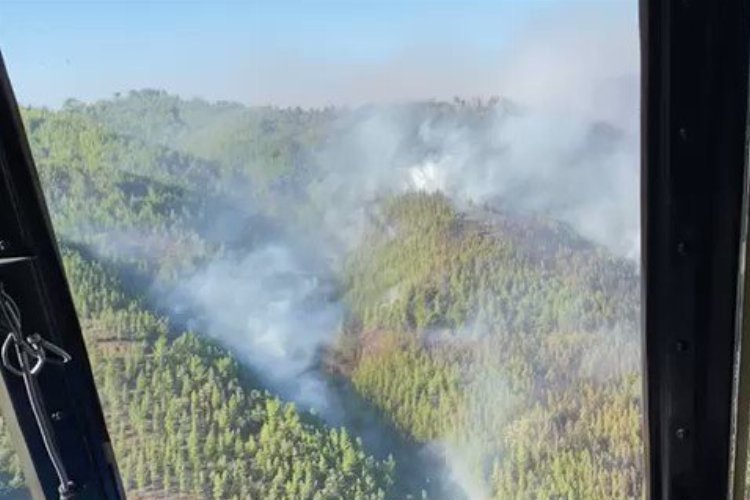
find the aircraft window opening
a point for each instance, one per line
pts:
(352, 250)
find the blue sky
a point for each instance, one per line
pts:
(282, 52)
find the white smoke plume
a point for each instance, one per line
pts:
(561, 165)
(566, 146)
(274, 313)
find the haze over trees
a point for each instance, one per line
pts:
(496, 345)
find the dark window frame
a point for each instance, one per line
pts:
(31, 271)
(694, 127)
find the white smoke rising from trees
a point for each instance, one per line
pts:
(273, 313)
(566, 147)
(562, 165)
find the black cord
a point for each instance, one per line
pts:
(25, 350)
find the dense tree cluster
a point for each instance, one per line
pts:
(183, 422)
(505, 342)
(465, 339)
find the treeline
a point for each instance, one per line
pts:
(529, 374)
(186, 420)
(506, 341)
(183, 423)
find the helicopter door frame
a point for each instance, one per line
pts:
(36, 300)
(693, 172)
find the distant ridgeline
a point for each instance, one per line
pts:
(504, 342)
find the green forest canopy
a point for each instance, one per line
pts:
(519, 359)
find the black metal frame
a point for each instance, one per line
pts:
(694, 97)
(31, 271)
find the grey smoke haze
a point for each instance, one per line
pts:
(555, 59)
(526, 160)
(565, 146)
(272, 312)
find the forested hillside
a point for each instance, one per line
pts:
(182, 420)
(396, 301)
(523, 364)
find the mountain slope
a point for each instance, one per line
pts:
(500, 341)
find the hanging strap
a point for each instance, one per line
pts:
(31, 354)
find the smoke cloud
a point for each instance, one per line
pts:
(564, 144)
(524, 160)
(273, 313)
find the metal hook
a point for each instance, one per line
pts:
(37, 354)
(46, 346)
(37, 347)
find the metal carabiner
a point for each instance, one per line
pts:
(44, 346)
(37, 347)
(38, 354)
